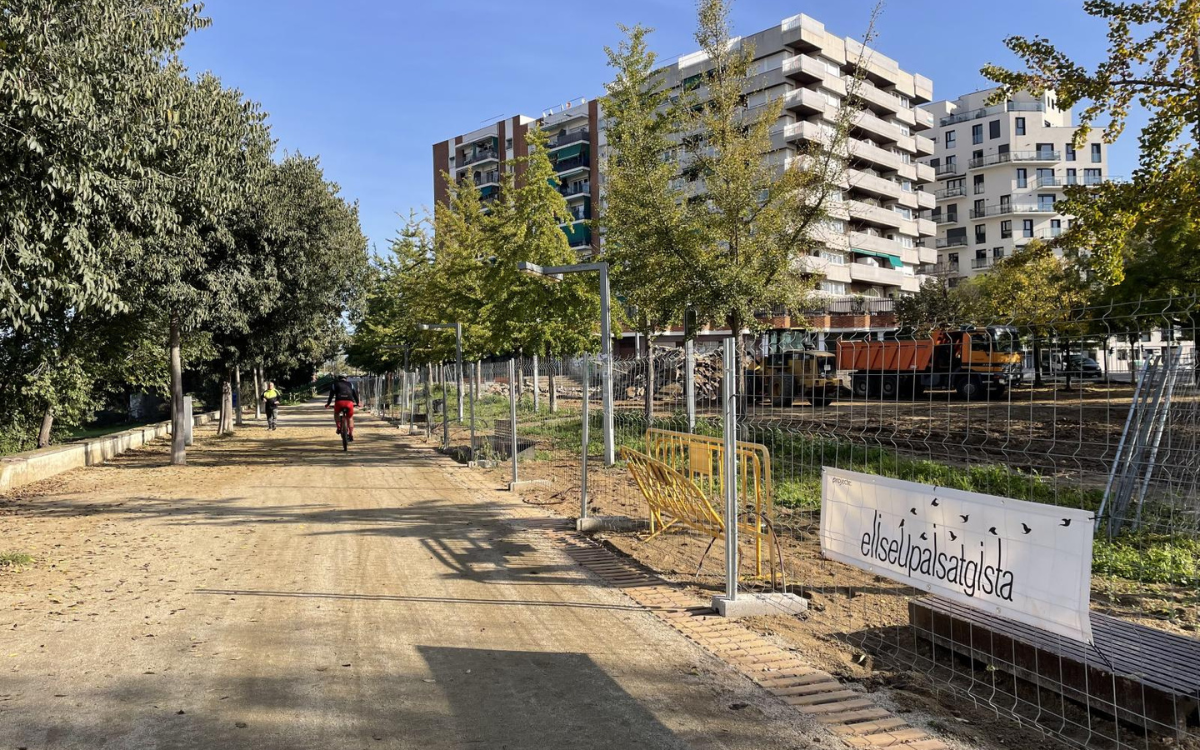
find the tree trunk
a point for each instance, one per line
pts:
(553, 384)
(239, 404)
(178, 430)
(649, 390)
(225, 426)
(1037, 364)
(47, 422)
(257, 396)
(478, 374)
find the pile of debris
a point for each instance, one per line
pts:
(670, 376)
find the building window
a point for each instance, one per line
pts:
(952, 163)
(993, 130)
(833, 287)
(997, 253)
(835, 258)
(1070, 152)
(980, 234)
(977, 134)
(1045, 202)
(1072, 177)
(1022, 178)
(1045, 150)
(1005, 201)
(949, 139)
(1097, 154)
(1006, 229)
(1027, 228)
(980, 211)
(508, 143)
(978, 180)
(1055, 227)
(1092, 177)
(1020, 127)
(952, 212)
(952, 260)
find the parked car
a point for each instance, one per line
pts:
(1079, 366)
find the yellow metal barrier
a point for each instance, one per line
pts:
(680, 475)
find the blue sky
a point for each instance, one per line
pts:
(370, 85)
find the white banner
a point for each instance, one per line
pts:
(1025, 561)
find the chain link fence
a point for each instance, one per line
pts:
(1095, 409)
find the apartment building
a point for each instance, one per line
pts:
(1001, 170)
(874, 241)
(575, 140)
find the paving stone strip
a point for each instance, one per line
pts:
(844, 710)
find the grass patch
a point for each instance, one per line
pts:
(15, 560)
(1149, 558)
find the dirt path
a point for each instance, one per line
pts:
(277, 593)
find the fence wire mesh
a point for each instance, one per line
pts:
(1095, 409)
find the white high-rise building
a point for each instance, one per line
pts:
(1001, 170)
(873, 241)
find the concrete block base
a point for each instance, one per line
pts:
(752, 605)
(610, 523)
(516, 486)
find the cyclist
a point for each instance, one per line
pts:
(343, 395)
(270, 399)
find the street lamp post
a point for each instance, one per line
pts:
(555, 273)
(457, 328)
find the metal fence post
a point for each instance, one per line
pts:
(473, 393)
(537, 403)
(689, 376)
(459, 364)
(583, 459)
(429, 401)
(512, 412)
(731, 488)
(606, 366)
(445, 412)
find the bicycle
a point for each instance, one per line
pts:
(343, 416)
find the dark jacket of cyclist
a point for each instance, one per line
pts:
(342, 390)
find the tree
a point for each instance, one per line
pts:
(648, 241)
(935, 305)
(530, 315)
(758, 221)
(1034, 290)
(196, 273)
(1153, 60)
(84, 108)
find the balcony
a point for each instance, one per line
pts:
(869, 274)
(578, 234)
(488, 178)
(479, 157)
(881, 102)
(573, 164)
(925, 146)
(924, 118)
(1014, 156)
(809, 102)
(874, 184)
(941, 219)
(566, 139)
(872, 243)
(882, 130)
(1049, 234)
(937, 269)
(977, 263)
(977, 114)
(577, 190)
(811, 70)
(874, 214)
(945, 242)
(953, 192)
(947, 170)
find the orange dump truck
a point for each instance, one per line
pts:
(976, 363)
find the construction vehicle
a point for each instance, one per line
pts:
(788, 374)
(976, 363)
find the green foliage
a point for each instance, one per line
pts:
(648, 240)
(1153, 61)
(757, 220)
(1149, 558)
(15, 560)
(85, 107)
(935, 305)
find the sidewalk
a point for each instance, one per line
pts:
(278, 593)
